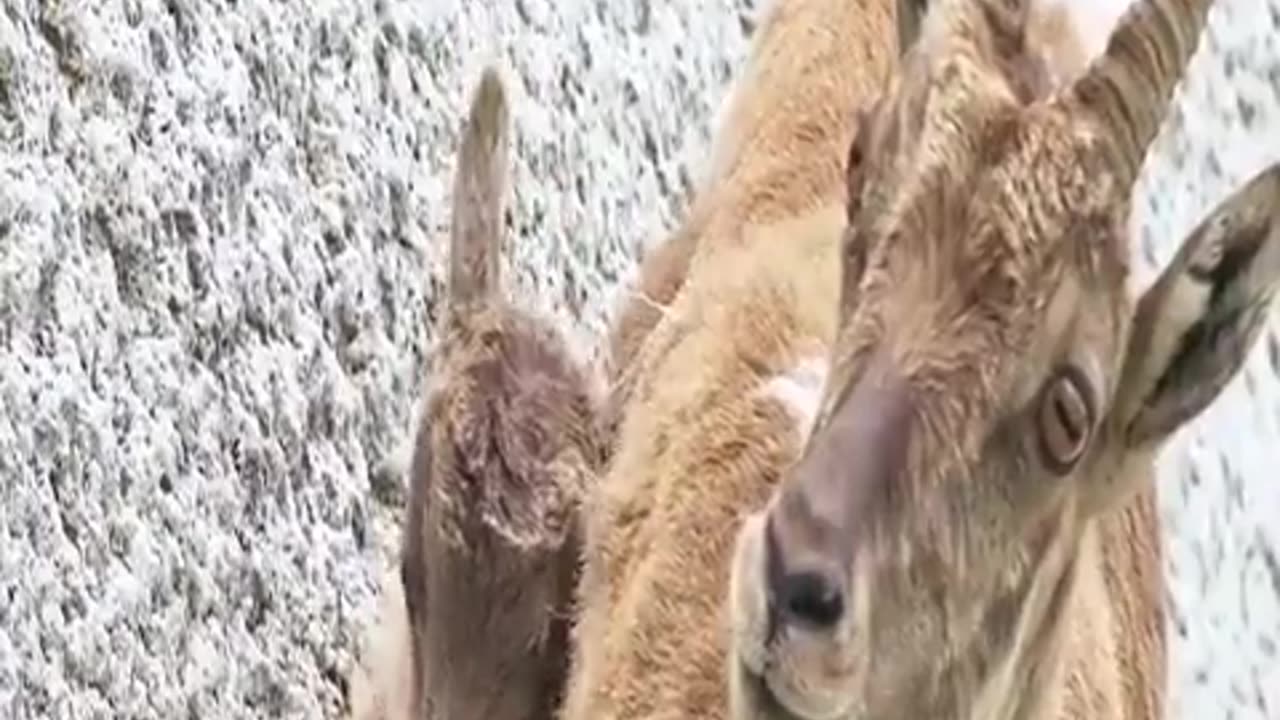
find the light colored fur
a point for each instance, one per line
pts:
(673, 606)
(382, 681)
(778, 151)
(756, 144)
(799, 388)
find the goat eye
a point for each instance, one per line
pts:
(1064, 419)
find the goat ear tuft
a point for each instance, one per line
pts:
(1194, 328)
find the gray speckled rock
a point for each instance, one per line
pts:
(221, 228)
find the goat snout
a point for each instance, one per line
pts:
(806, 581)
(814, 530)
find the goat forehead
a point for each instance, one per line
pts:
(1009, 201)
(969, 264)
(963, 304)
(955, 154)
(964, 361)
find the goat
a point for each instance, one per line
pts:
(475, 624)
(970, 530)
(898, 343)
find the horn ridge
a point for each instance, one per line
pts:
(1130, 86)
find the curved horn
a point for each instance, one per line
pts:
(1131, 84)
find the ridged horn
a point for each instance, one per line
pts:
(1130, 86)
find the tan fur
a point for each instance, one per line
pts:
(986, 251)
(650, 638)
(779, 157)
(987, 193)
(475, 625)
(769, 161)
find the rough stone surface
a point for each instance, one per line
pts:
(221, 227)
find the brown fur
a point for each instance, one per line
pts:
(475, 624)
(988, 190)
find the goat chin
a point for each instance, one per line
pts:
(780, 673)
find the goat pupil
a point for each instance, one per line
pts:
(1066, 419)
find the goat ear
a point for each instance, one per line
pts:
(479, 190)
(1193, 329)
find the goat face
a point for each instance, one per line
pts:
(992, 386)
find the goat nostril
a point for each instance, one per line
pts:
(812, 598)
